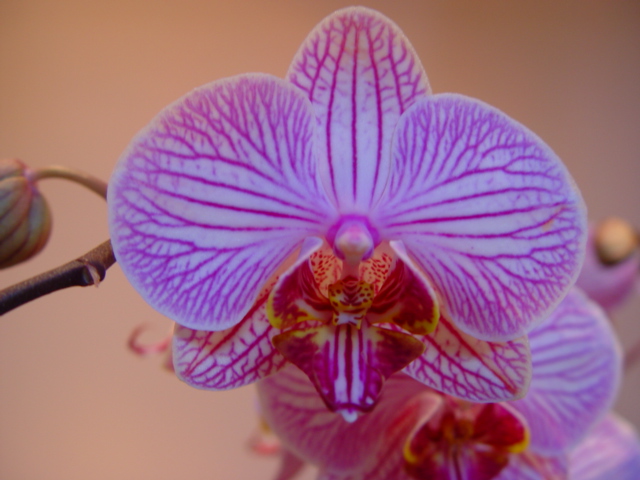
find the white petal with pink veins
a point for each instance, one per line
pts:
(464, 367)
(488, 212)
(210, 199)
(360, 72)
(230, 358)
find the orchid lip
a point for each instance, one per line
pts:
(350, 415)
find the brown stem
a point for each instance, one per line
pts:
(89, 269)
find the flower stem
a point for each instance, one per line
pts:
(56, 171)
(89, 269)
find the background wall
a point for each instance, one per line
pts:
(79, 79)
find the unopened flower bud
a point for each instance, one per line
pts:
(615, 241)
(25, 219)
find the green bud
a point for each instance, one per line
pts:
(25, 219)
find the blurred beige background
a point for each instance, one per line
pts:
(79, 79)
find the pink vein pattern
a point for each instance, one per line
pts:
(464, 367)
(576, 372)
(213, 196)
(228, 359)
(487, 210)
(360, 72)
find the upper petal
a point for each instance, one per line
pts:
(212, 196)
(576, 372)
(360, 72)
(487, 210)
(611, 450)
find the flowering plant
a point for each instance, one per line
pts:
(349, 222)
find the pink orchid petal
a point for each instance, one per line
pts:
(464, 367)
(348, 365)
(387, 463)
(230, 358)
(610, 451)
(360, 72)
(488, 212)
(293, 409)
(609, 285)
(529, 466)
(576, 373)
(211, 198)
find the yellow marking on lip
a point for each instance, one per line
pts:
(350, 300)
(522, 445)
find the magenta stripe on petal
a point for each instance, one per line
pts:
(464, 367)
(230, 358)
(360, 72)
(487, 210)
(211, 198)
(576, 371)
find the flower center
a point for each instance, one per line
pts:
(353, 243)
(350, 299)
(461, 439)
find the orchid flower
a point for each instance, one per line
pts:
(349, 222)
(418, 433)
